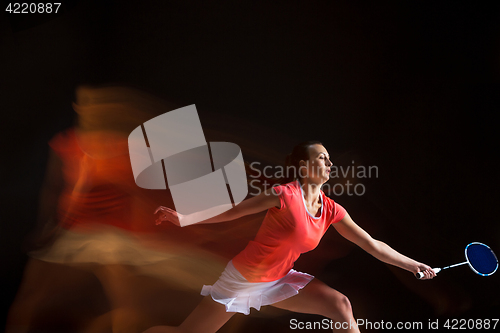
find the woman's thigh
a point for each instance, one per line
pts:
(318, 298)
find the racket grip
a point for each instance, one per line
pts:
(421, 275)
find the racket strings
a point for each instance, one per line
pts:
(482, 259)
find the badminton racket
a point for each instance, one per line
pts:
(480, 258)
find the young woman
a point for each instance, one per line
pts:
(298, 214)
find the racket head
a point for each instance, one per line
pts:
(482, 260)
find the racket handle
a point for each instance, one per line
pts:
(421, 275)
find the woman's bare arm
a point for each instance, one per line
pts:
(352, 232)
(259, 203)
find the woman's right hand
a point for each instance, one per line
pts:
(167, 214)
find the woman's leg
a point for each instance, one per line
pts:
(120, 285)
(38, 281)
(319, 298)
(41, 300)
(209, 316)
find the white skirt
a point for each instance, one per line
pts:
(239, 295)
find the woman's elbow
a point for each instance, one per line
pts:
(372, 246)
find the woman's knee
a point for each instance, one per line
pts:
(338, 307)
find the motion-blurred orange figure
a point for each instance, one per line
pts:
(96, 222)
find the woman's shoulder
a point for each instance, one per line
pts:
(287, 188)
(328, 200)
(336, 211)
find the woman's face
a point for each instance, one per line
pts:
(317, 168)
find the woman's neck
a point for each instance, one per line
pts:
(311, 191)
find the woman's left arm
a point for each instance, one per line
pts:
(383, 252)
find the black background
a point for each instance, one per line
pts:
(410, 87)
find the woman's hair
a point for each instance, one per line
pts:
(292, 163)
